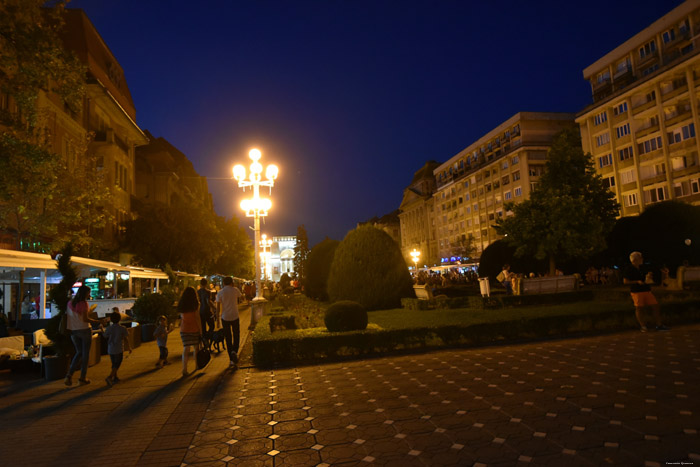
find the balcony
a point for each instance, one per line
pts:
(643, 107)
(602, 90)
(677, 117)
(649, 181)
(650, 156)
(628, 186)
(646, 130)
(626, 163)
(623, 79)
(676, 91)
(683, 145)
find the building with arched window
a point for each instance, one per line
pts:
(282, 256)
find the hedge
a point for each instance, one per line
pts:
(307, 346)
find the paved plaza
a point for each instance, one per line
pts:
(622, 399)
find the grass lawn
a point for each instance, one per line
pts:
(400, 318)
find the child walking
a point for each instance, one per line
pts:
(117, 340)
(161, 335)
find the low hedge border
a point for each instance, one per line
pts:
(496, 301)
(306, 346)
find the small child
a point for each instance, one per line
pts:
(117, 339)
(161, 335)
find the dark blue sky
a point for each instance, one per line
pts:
(349, 98)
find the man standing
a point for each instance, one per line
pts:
(640, 290)
(227, 302)
(205, 308)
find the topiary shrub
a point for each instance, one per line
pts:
(346, 316)
(368, 268)
(318, 267)
(148, 308)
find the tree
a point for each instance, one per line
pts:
(660, 233)
(235, 248)
(33, 59)
(368, 268)
(182, 234)
(464, 247)
(318, 269)
(44, 197)
(569, 212)
(301, 254)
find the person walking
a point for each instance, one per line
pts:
(640, 290)
(161, 335)
(78, 323)
(190, 325)
(227, 302)
(117, 340)
(206, 308)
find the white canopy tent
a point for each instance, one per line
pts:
(42, 269)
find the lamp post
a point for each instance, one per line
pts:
(256, 207)
(415, 254)
(265, 244)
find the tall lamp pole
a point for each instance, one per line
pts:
(256, 207)
(265, 244)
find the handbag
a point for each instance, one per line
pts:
(203, 356)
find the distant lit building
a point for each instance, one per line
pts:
(416, 217)
(641, 127)
(389, 223)
(502, 166)
(281, 259)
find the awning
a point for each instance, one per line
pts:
(136, 272)
(19, 260)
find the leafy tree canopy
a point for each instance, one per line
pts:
(33, 58)
(190, 238)
(569, 212)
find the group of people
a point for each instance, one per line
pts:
(602, 276)
(200, 313)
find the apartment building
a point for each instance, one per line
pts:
(163, 173)
(641, 126)
(502, 166)
(109, 114)
(416, 216)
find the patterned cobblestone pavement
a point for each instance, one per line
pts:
(620, 399)
(623, 399)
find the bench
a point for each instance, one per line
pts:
(688, 275)
(423, 292)
(546, 285)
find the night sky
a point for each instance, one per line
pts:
(349, 98)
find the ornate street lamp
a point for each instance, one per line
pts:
(256, 207)
(415, 254)
(265, 244)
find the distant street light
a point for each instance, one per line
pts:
(256, 207)
(265, 244)
(415, 254)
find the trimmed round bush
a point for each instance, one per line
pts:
(148, 308)
(318, 267)
(368, 268)
(346, 315)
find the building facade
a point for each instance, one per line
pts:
(641, 127)
(416, 217)
(164, 174)
(502, 166)
(109, 114)
(281, 257)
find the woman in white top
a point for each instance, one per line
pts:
(80, 333)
